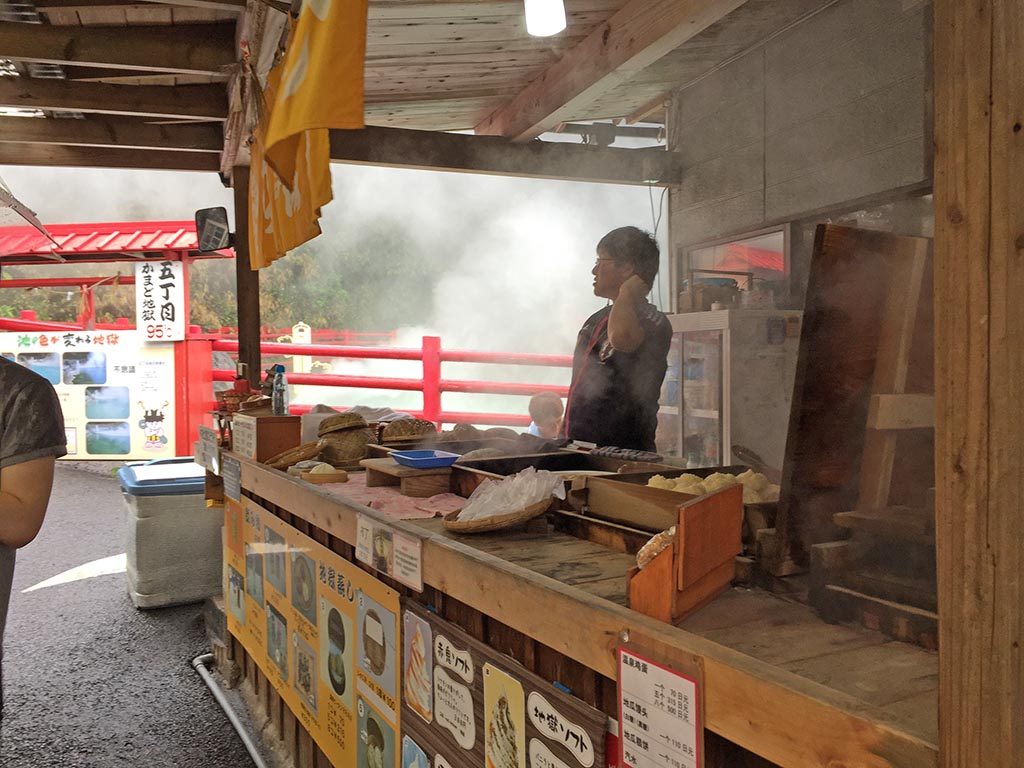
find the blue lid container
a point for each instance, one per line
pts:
(425, 459)
(163, 477)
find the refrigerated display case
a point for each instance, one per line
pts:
(729, 382)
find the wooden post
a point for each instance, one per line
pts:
(246, 279)
(979, 284)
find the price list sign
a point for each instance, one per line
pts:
(659, 715)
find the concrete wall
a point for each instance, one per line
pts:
(833, 110)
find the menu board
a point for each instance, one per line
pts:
(323, 632)
(464, 705)
(659, 714)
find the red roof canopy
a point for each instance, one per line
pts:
(105, 241)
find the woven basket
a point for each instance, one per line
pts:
(340, 423)
(345, 447)
(285, 459)
(497, 522)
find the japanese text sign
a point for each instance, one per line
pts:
(659, 715)
(160, 300)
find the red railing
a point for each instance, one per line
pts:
(432, 385)
(345, 336)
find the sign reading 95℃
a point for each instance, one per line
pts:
(160, 300)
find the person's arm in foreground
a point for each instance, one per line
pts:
(625, 331)
(24, 494)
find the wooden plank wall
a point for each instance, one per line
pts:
(831, 111)
(979, 242)
(594, 689)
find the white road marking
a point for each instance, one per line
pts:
(105, 566)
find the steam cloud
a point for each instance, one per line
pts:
(512, 256)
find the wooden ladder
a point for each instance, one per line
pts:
(884, 574)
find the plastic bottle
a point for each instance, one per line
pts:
(279, 396)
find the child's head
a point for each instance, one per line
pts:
(546, 412)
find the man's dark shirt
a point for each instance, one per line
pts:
(613, 399)
(31, 427)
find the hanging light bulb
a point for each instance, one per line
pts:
(545, 17)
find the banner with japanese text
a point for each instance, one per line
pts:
(116, 392)
(160, 300)
(323, 632)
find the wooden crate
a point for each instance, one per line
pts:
(698, 565)
(261, 437)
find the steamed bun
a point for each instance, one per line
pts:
(659, 481)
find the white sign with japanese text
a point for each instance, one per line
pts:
(453, 708)
(559, 728)
(116, 393)
(390, 552)
(542, 757)
(160, 300)
(659, 715)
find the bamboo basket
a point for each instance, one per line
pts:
(498, 522)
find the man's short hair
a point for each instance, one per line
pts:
(633, 246)
(545, 405)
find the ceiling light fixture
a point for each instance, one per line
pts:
(545, 17)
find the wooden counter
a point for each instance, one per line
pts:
(778, 681)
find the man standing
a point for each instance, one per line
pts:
(31, 440)
(622, 351)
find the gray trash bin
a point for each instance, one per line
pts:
(174, 546)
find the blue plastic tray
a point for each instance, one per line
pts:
(425, 459)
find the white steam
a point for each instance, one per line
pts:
(512, 256)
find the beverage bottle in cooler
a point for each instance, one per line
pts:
(279, 396)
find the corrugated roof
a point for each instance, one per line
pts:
(102, 239)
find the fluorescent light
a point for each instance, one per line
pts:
(545, 17)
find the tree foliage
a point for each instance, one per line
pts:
(377, 277)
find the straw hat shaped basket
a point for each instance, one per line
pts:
(496, 522)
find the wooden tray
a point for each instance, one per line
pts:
(341, 476)
(498, 522)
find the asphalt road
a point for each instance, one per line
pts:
(89, 681)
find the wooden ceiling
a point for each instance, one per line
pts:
(156, 84)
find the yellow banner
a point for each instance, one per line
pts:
(323, 632)
(282, 217)
(323, 80)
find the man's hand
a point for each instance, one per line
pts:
(633, 290)
(24, 495)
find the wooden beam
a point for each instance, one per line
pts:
(231, 6)
(135, 77)
(399, 148)
(635, 37)
(97, 132)
(247, 281)
(187, 49)
(979, 322)
(95, 157)
(200, 102)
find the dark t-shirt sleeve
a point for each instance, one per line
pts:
(31, 425)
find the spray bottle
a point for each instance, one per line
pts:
(279, 396)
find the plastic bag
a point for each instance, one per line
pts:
(512, 494)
